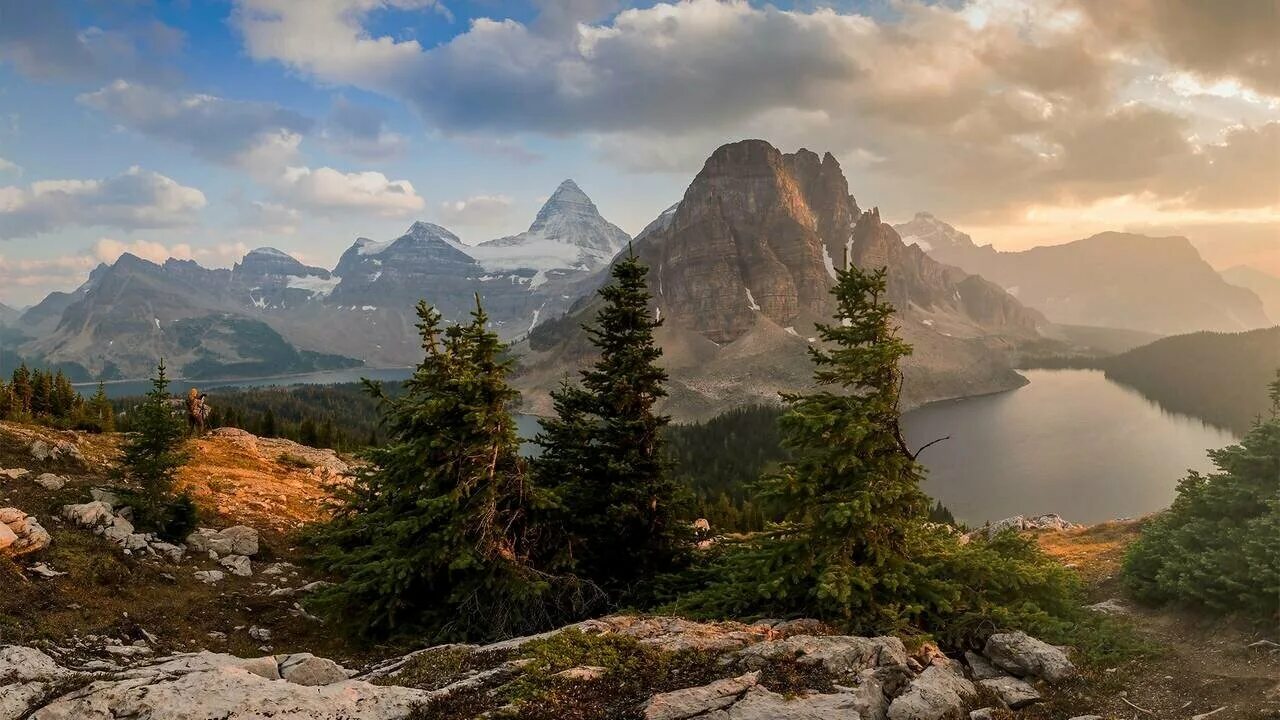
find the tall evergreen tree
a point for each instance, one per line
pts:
(1218, 546)
(602, 450)
(153, 454)
(849, 494)
(434, 536)
(99, 411)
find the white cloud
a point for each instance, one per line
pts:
(270, 218)
(254, 135)
(7, 166)
(477, 210)
(108, 250)
(328, 191)
(135, 199)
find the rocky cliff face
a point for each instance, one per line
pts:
(1117, 280)
(742, 268)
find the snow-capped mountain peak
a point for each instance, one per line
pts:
(568, 233)
(930, 233)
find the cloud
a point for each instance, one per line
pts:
(28, 277)
(108, 250)
(1212, 39)
(135, 199)
(42, 41)
(270, 218)
(328, 191)
(254, 135)
(7, 166)
(361, 132)
(477, 210)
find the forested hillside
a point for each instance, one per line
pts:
(1220, 377)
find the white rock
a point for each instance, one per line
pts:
(209, 685)
(691, 702)
(7, 537)
(49, 481)
(1023, 655)
(937, 693)
(1014, 693)
(44, 571)
(1109, 607)
(173, 553)
(839, 655)
(237, 564)
(981, 668)
(244, 540)
(260, 634)
(14, 473)
(94, 514)
(307, 669)
(209, 577)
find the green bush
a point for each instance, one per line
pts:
(1218, 546)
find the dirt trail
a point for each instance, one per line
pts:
(1200, 664)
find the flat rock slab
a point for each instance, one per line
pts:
(939, 693)
(1023, 655)
(1014, 693)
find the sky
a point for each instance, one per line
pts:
(202, 129)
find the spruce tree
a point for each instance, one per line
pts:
(153, 455)
(433, 536)
(99, 412)
(1218, 546)
(849, 493)
(602, 450)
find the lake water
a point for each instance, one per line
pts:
(1070, 442)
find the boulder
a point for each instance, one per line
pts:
(983, 714)
(211, 685)
(692, 702)
(981, 668)
(238, 540)
(1014, 693)
(939, 693)
(209, 577)
(762, 704)
(26, 677)
(21, 533)
(14, 473)
(307, 669)
(237, 565)
(93, 515)
(842, 656)
(49, 481)
(1023, 655)
(173, 553)
(244, 540)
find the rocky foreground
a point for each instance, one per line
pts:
(785, 670)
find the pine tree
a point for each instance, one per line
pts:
(602, 450)
(22, 390)
(849, 494)
(433, 536)
(269, 428)
(153, 454)
(1219, 544)
(100, 413)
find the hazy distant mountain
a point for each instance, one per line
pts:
(1159, 285)
(1265, 285)
(123, 318)
(8, 315)
(741, 269)
(135, 311)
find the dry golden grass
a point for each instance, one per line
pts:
(1096, 552)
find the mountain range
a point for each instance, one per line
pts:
(1118, 280)
(290, 317)
(740, 270)
(1263, 284)
(742, 267)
